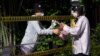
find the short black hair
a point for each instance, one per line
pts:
(79, 9)
(37, 8)
(75, 6)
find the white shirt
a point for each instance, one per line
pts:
(81, 35)
(33, 31)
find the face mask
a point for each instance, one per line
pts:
(39, 14)
(74, 14)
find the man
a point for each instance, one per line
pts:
(33, 30)
(80, 33)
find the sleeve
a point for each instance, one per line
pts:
(41, 31)
(76, 30)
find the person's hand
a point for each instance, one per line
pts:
(63, 35)
(61, 26)
(56, 31)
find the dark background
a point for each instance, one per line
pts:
(25, 8)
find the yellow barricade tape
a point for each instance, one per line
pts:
(28, 18)
(72, 24)
(51, 51)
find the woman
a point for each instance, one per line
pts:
(80, 33)
(33, 30)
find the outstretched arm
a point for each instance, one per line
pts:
(44, 31)
(80, 25)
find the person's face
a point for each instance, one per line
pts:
(74, 13)
(39, 14)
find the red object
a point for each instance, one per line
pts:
(63, 35)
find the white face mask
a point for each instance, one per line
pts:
(75, 14)
(39, 14)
